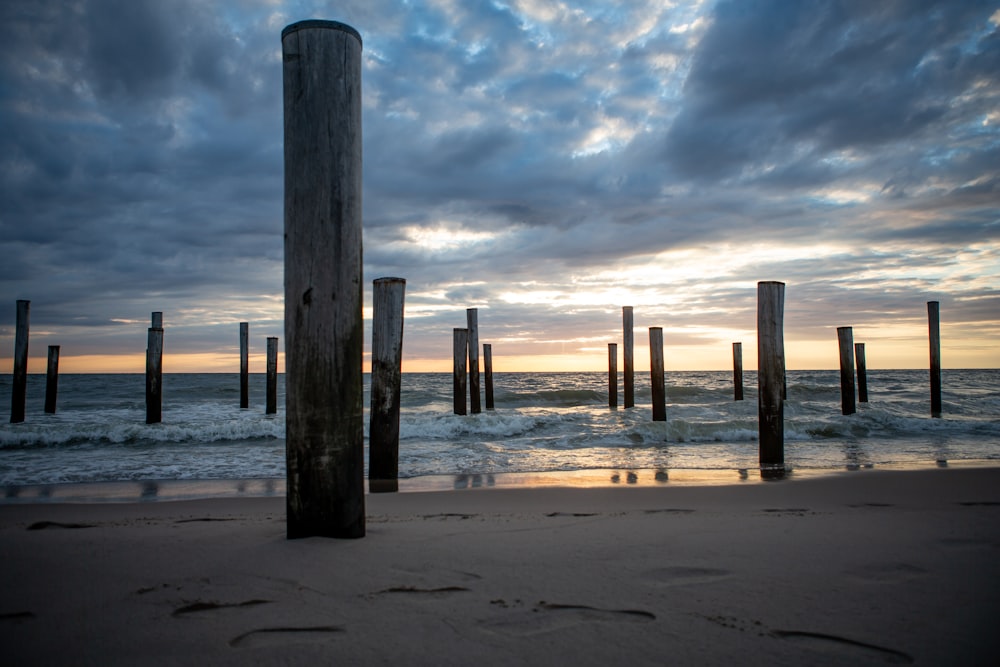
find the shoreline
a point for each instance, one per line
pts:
(872, 567)
(173, 490)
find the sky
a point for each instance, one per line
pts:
(546, 163)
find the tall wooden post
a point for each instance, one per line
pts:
(613, 375)
(19, 391)
(934, 330)
(154, 370)
(628, 356)
(324, 329)
(659, 387)
(488, 370)
(771, 374)
(52, 380)
(244, 365)
(472, 319)
(460, 339)
(387, 361)
(737, 371)
(271, 402)
(859, 355)
(845, 337)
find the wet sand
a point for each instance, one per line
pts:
(863, 567)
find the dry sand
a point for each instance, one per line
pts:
(867, 567)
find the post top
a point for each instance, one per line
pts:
(390, 279)
(309, 24)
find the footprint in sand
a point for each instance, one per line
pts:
(682, 575)
(284, 636)
(549, 617)
(843, 646)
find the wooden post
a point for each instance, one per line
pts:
(387, 360)
(845, 336)
(460, 339)
(324, 329)
(628, 357)
(934, 329)
(154, 370)
(659, 387)
(612, 375)
(52, 380)
(771, 374)
(19, 391)
(271, 403)
(859, 355)
(472, 318)
(244, 365)
(488, 370)
(737, 371)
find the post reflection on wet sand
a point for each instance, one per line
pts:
(474, 481)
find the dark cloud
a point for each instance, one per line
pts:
(849, 148)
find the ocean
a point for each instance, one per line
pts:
(542, 422)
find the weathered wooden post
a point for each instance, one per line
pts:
(244, 365)
(737, 371)
(52, 380)
(771, 375)
(154, 370)
(628, 356)
(324, 329)
(472, 319)
(488, 370)
(934, 329)
(271, 402)
(613, 375)
(387, 361)
(845, 337)
(460, 338)
(659, 388)
(19, 391)
(859, 355)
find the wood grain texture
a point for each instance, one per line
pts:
(771, 372)
(18, 394)
(658, 384)
(386, 382)
(323, 290)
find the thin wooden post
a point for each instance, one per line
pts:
(244, 365)
(324, 328)
(19, 391)
(387, 366)
(859, 355)
(52, 380)
(460, 339)
(659, 388)
(845, 337)
(934, 330)
(737, 371)
(628, 357)
(154, 370)
(472, 319)
(613, 375)
(771, 374)
(271, 402)
(488, 370)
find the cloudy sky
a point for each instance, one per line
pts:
(544, 162)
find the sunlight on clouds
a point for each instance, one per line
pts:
(445, 237)
(611, 133)
(845, 196)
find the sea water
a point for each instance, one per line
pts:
(542, 422)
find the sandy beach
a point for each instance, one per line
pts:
(863, 567)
